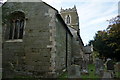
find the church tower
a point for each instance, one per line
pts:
(70, 16)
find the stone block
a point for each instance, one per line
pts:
(117, 67)
(74, 71)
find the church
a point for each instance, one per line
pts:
(38, 41)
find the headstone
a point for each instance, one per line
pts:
(85, 65)
(74, 71)
(84, 72)
(118, 66)
(117, 69)
(99, 66)
(84, 69)
(106, 76)
(110, 65)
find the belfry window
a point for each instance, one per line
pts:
(68, 19)
(16, 25)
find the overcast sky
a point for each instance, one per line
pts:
(92, 14)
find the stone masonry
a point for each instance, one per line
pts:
(0, 42)
(46, 45)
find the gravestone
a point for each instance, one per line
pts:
(110, 65)
(117, 66)
(74, 71)
(99, 67)
(117, 69)
(84, 70)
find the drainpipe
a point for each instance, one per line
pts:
(66, 48)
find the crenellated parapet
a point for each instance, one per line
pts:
(69, 9)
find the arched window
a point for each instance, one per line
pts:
(16, 25)
(68, 19)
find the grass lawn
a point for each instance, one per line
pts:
(23, 77)
(63, 76)
(91, 70)
(117, 74)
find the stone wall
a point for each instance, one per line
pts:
(13, 58)
(69, 49)
(77, 53)
(60, 46)
(0, 42)
(77, 44)
(36, 43)
(76, 48)
(63, 46)
(74, 18)
(46, 47)
(37, 40)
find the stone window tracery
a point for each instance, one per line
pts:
(68, 19)
(17, 21)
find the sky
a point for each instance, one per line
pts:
(93, 14)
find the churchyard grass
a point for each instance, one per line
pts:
(63, 76)
(91, 71)
(23, 77)
(117, 74)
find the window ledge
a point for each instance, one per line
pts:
(15, 40)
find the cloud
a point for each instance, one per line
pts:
(92, 13)
(63, 1)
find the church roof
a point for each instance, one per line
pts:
(73, 31)
(88, 49)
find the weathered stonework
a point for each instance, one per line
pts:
(0, 42)
(74, 23)
(63, 46)
(48, 45)
(52, 31)
(77, 44)
(45, 49)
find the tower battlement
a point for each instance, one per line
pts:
(71, 18)
(69, 9)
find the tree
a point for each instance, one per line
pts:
(106, 42)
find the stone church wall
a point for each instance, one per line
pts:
(36, 40)
(74, 18)
(0, 43)
(46, 46)
(63, 46)
(35, 45)
(13, 58)
(69, 50)
(70, 16)
(76, 51)
(60, 46)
